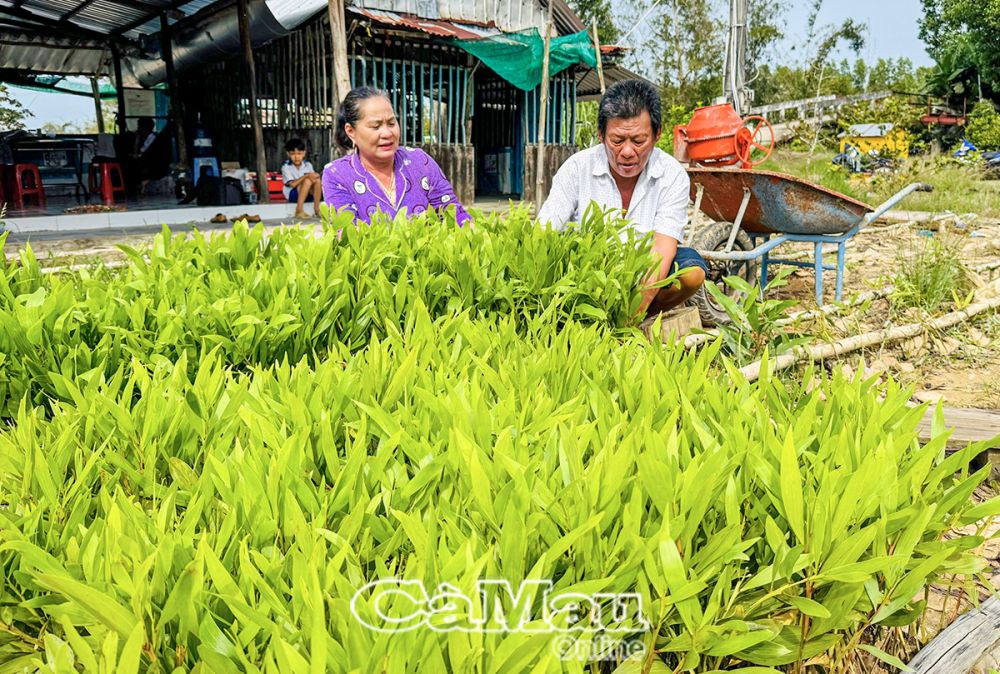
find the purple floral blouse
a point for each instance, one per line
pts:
(420, 184)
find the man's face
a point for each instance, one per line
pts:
(629, 143)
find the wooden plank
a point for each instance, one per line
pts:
(969, 424)
(961, 645)
(675, 324)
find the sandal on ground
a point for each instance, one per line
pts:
(218, 217)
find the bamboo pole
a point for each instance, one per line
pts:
(597, 50)
(857, 342)
(338, 42)
(542, 118)
(692, 341)
(258, 131)
(96, 89)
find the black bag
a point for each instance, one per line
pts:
(214, 191)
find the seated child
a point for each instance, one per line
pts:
(302, 183)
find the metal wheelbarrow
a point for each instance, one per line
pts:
(750, 206)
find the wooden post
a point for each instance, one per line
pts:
(258, 131)
(542, 111)
(176, 107)
(597, 51)
(116, 57)
(338, 42)
(97, 104)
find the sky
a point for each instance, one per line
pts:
(892, 26)
(892, 33)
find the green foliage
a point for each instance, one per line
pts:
(754, 328)
(954, 76)
(289, 295)
(208, 453)
(983, 126)
(587, 132)
(12, 113)
(672, 116)
(195, 515)
(968, 28)
(588, 10)
(935, 276)
(689, 36)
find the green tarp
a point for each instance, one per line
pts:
(64, 85)
(517, 57)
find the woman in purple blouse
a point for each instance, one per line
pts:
(379, 174)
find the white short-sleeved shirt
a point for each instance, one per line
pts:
(291, 172)
(659, 202)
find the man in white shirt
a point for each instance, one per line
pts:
(628, 172)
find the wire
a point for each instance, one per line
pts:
(639, 22)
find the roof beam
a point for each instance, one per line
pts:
(132, 25)
(76, 10)
(20, 24)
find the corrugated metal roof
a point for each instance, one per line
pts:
(439, 28)
(868, 130)
(98, 18)
(507, 15)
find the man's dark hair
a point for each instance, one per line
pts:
(294, 144)
(627, 99)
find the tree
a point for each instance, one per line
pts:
(12, 113)
(588, 10)
(815, 73)
(955, 76)
(691, 42)
(947, 24)
(983, 129)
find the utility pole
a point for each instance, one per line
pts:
(543, 115)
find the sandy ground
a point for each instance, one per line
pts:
(961, 365)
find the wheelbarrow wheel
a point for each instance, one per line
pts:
(715, 237)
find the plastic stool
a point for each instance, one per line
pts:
(201, 163)
(27, 184)
(107, 180)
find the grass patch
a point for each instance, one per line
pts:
(959, 188)
(933, 278)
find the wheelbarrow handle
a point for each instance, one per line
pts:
(888, 204)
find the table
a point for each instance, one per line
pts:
(60, 160)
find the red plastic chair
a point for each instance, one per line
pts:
(26, 185)
(107, 180)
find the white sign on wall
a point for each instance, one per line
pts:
(140, 103)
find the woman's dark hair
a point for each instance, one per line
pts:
(627, 99)
(349, 112)
(294, 144)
